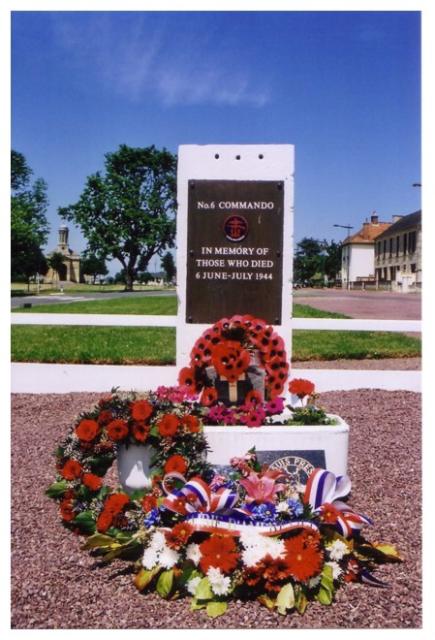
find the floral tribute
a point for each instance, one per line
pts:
(162, 420)
(213, 538)
(230, 346)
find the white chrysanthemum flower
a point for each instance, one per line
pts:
(168, 557)
(251, 539)
(313, 582)
(193, 553)
(282, 507)
(252, 555)
(274, 547)
(337, 550)
(336, 569)
(150, 558)
(219, 583)
(157, 541)
(193, 584)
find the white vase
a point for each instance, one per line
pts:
(298, 403)
(134, 466)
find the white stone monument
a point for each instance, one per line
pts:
(235, 256)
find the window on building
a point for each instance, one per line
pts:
(391, 247)
(397, 245)
(392, 273)
(413, 268)
(385, 247)
(405, 244)
(412, 241)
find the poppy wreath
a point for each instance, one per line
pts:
(228, 345)
(162, 420)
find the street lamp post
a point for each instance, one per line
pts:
(348, 227)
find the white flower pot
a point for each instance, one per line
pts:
(296, 402)
(134, 466)
(296, 449)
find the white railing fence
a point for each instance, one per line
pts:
(64, 378)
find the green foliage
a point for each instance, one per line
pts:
(93, 265)
(285, 599)
(128, 213)
(56, 262)
(29, 226)
(315, 259)
(203, 590)
(310, 415)
(144, 577)
(326, 590)
(165, 583)
(85, 522)
(168, 266)
(57, 489)
(216, 608)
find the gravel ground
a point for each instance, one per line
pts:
(57, 586)
(381, 364)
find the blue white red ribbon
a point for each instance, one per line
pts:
(322, 492)
(210, 522)
(196, 496)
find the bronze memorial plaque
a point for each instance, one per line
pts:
(234, 249)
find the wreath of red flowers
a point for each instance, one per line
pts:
(229, 346)
(172, 429)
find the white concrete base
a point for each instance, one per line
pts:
(32, 377)
(296, 449)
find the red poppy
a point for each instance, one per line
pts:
(141, 410)
(304, 562)
(328, 513)
(209, 396)
(300, 387)
(66, 510)
(230, 360)
(92, 481)
(168, 425)
(116, 502)
(186, 378)
(148, 503)
(175, 463)
(105, 417)
(220, 552)
(117, 430)
(104, 521)
(191, 423)
(274, 571)
(140, 431)
(351, 574)
(179, 535)
(87, 430)
(71, 470)
(253, 397)
(251, 576)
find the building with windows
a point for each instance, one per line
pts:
(398, 251)
(70, 270)
(358, 253)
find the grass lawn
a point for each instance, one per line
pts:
(156, 345)
(152, 305)
(159, 305)
(96, 345)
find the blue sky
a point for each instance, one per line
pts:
(343, 87)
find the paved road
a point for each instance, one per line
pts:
(356, 304)
(382, 305)
(71, 297)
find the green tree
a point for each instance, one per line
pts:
(309, 261)
(29, 226)
(129, 212)
(56, 262)
(92, 265)
(168, 266)
(333, 260)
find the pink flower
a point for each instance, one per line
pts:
(275, 406)
(261, 488)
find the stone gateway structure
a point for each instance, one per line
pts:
(71, 264)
